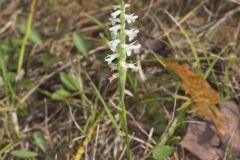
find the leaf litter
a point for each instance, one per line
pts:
(203, 142)
(208, 140)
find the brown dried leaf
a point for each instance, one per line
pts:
(201, 140)
(203, 96)
(231, 126)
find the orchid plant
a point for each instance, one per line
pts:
(123, 44)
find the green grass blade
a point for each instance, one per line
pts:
(105, 106)
(26, 37)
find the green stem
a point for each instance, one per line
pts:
(122, 70)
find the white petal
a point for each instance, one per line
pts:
(129, 65)
(132, 33)
(127, 49)
(129, 52)
(111, 58)
(132, 66)
(113, 44)
(116, 13)
(115, 36)
(130, 18)
(115, 29)
(114, 21)
(135, 47)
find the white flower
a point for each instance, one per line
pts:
(114, 21)
(116, 45)
(116, 13)
(113, 44)
(119, 6)
(130, 18)
(128, 65)
(135, 47)
(131, 33)
(132, 66)
(111, 57)
(115, 29)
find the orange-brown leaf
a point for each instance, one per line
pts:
(202, 94)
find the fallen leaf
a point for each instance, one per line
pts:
(231, 126)
(202, 141)
(203, 96)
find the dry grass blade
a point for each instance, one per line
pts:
(187, 16)
(203, 96)
(82, 147)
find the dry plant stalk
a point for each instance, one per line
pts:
(82, 147)
(203, 96)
